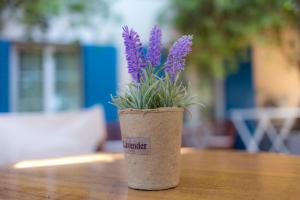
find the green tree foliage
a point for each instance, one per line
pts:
(224, 28)
(37, 14)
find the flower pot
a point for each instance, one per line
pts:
(152, 140)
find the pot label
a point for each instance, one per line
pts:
(136, 145)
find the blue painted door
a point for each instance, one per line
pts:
(240, 93)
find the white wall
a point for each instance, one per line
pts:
(138, 14)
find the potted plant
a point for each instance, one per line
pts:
(151, 111)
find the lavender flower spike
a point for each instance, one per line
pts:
(134, 55)
(153, 54)
(176, 58)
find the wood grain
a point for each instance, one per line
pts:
(209, 175)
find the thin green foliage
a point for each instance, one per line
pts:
(155, 91)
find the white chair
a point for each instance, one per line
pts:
(34, 136)
(263, 118)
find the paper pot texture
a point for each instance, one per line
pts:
(152, 141)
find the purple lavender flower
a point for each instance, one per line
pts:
(176, 58)
(153, 54)
(134, 55)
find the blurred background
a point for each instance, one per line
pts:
(60, 61)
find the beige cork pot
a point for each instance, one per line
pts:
(152, 141)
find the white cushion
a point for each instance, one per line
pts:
(32, 136)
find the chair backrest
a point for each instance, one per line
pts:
(33, 136)
(277, 124)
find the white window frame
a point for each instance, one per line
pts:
(48, 66)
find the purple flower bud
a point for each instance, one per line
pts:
(176, 58)
(134, 55)
(153, 54)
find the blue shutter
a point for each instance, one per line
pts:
(4, 76)
(240, 93)
(100, 78)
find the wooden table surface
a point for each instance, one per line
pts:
(225, 175)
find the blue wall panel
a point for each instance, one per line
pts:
(240, 93)
(100, 77)
(4, 76)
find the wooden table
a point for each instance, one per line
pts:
(204, 175)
